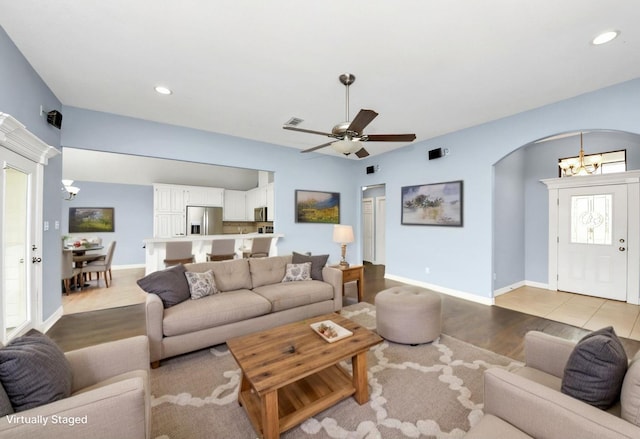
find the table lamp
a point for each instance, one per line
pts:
(343, 235)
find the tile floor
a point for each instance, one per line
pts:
(575, 309)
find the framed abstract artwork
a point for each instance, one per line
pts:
(91, 219)
(436, 204)
(317, 207)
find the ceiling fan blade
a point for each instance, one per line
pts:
(361, 153)
(302, 130)
(390, 137)
(317, 147)
(362, 119)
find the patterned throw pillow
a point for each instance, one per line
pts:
(201, 284)
(296, 272)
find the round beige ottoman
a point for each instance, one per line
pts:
(408, 315)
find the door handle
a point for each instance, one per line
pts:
(36, 260)
(621, 249)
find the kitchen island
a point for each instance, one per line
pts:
(155, 248)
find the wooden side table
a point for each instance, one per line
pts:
(353, 273)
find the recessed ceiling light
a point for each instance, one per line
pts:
(605, 37)
(163, 90)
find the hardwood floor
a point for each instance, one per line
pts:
(497, 329)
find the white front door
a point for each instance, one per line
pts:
(592, 241)
(20, 256)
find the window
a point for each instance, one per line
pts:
(610, 162)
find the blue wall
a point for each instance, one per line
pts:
(133, 209)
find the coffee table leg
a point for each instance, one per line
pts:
(360, 382)
(244, 386)
(270, 418)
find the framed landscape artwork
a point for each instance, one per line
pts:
(91, 219)
(438, 204)
(317, 207)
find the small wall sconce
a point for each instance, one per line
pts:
(71, 191)
(343, 235)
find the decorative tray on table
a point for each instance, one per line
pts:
(330, 331)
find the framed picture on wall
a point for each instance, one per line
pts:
(317, 207)
(437, 204)
(91, 219)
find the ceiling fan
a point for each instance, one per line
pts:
(349, 134)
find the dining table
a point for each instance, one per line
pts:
(80, 256)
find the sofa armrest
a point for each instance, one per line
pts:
(154, 311)
(118, 410)
(97, 363)
(542, 412)
(547, 353)
(333, 276)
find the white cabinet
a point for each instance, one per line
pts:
(235, 206)
(270, 202)
(204, 196)
(251, 203)
(167, 198)
(169, 225)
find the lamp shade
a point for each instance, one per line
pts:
(342, 234)
(346, 146)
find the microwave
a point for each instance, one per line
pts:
(260, 214)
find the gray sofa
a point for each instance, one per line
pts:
(528, 403)
(252, 298)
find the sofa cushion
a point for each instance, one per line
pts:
(232, 275)
(293, 294)
(596, 368)
(212, 311)
(170, 285)
(297, 272)
(630, 393)
(267, 271)
(201, 284)
(317, 263)
(34, 371)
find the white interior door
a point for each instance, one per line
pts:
(380, 226)
(368, 244)
(20, 256)
(592, 241)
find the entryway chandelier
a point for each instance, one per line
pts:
(581, 165)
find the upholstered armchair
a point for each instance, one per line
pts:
(110, 397)
(528, 403)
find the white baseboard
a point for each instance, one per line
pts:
(522, 283)
(125, 267)
(448, 291)
(47, 324)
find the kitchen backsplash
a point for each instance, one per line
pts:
(235, 227)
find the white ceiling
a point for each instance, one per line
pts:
(245, 67)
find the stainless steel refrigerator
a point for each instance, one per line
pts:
(203, 220)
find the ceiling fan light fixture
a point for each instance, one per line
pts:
(346, 146)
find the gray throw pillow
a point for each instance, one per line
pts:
(34, 371)
(317, 263)
(201, 284)
(297, 272)
(595, 369)
(170, 284)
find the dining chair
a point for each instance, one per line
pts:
(260, 247)
(70, 272)
(178, 253)
(222, 249)
(102, 265)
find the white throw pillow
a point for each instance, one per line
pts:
(297, 272)
(201, 284)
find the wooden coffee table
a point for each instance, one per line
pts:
(290, 373)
